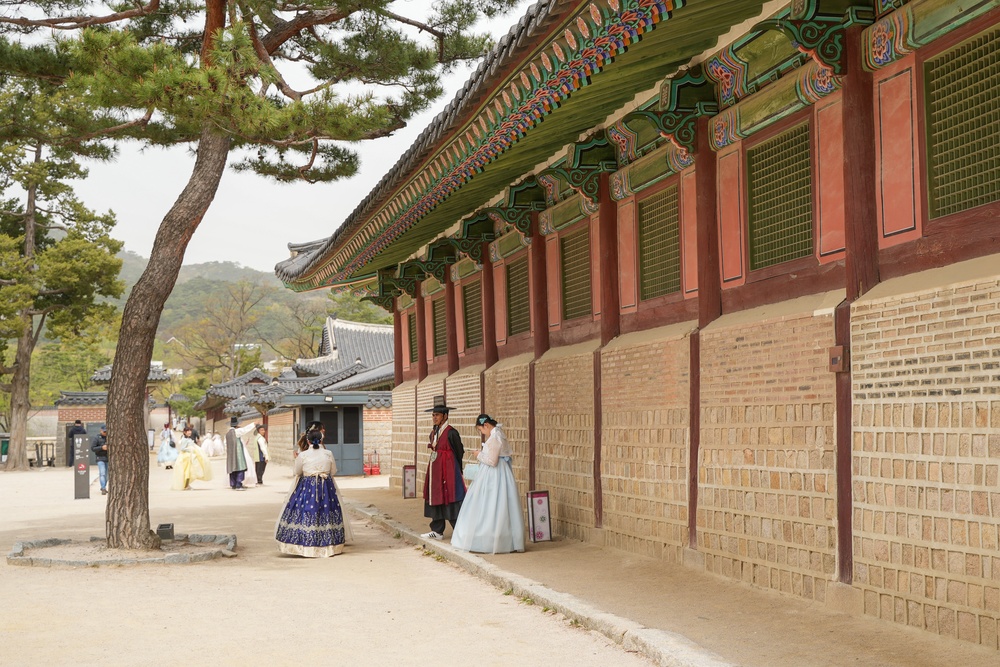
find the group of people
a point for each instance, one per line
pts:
(486, 517)
(189, 456)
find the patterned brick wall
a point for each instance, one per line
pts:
(403, 401)
(378, 437)
(432, 385)
(464, 396)
(281, 437)
(766, 499)
(564, 436)
(506, 389)
(926, 455)
(645, 387)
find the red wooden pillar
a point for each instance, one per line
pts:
(421, 333)
(861, 263)
(451, 320)
(397, 345)
(489, 310)
(709, 299)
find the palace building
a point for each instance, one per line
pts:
(728, 271)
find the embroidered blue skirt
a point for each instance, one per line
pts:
(312, 523)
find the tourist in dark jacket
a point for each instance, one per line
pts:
(99, 445)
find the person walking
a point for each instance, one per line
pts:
(491, 521)
(168, 448)
(258, 453)
(165, 434)
(444, 488)
(191, 463)
(236, 461)
(99, 445)
(312, 522)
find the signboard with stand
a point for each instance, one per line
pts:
(81, 467)
(410, 481)
(539, 521)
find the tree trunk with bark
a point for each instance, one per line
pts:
(128, 456)
(20, 403)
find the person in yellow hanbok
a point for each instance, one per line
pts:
(191, 463)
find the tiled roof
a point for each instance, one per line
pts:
(367, 378)
(82, 398)
(103, 375)
(344, 343)
(379, 399)
(492, 68)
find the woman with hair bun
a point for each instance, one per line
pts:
(312, 523)
(490, 520)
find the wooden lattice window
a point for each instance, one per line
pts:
(574, 250)
(438, 312)
(518, 307)
(472, 307)
(963, 125)
(659, 244)
(779, 183)
(411, 326)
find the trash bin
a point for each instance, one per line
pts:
(4, 445)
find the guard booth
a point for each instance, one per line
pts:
(342, 416)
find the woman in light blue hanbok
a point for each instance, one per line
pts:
(490, 521)
(168, 452)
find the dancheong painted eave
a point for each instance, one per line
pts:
(549, 67)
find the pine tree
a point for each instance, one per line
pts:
(219, 77)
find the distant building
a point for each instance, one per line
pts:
(348, 387)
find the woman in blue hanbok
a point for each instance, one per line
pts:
(312, 523)
(490, 520)
(167, 453)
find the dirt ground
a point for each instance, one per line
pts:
(381, 602)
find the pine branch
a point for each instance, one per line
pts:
(83, 21)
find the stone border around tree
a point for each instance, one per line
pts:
(226, 544)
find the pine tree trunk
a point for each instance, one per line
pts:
(128, 455)
(20, 403)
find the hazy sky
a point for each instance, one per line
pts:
(252, 219)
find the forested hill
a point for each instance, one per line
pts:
(133, 265)
(198, 285)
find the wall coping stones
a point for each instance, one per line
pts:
(814, 305)
(935, 280)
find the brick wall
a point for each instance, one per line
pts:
(464, 396)
(766, 499)
(506, 398)
(564, 436)
(281, 437)
(431, 386)
(378, 437)
(926, 452)
(403, 425)
(645, 441)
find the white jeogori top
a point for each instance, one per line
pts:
(315, 462)
(495, 446)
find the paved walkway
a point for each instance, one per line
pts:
(678, 616)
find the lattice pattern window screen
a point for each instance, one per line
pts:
(779, 183)
(659, 244)
(440, 328)
(472, 307)
(575, 251)
(411, 326)
(518, 306)
(963, 125)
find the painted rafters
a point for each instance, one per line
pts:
(595, 36)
